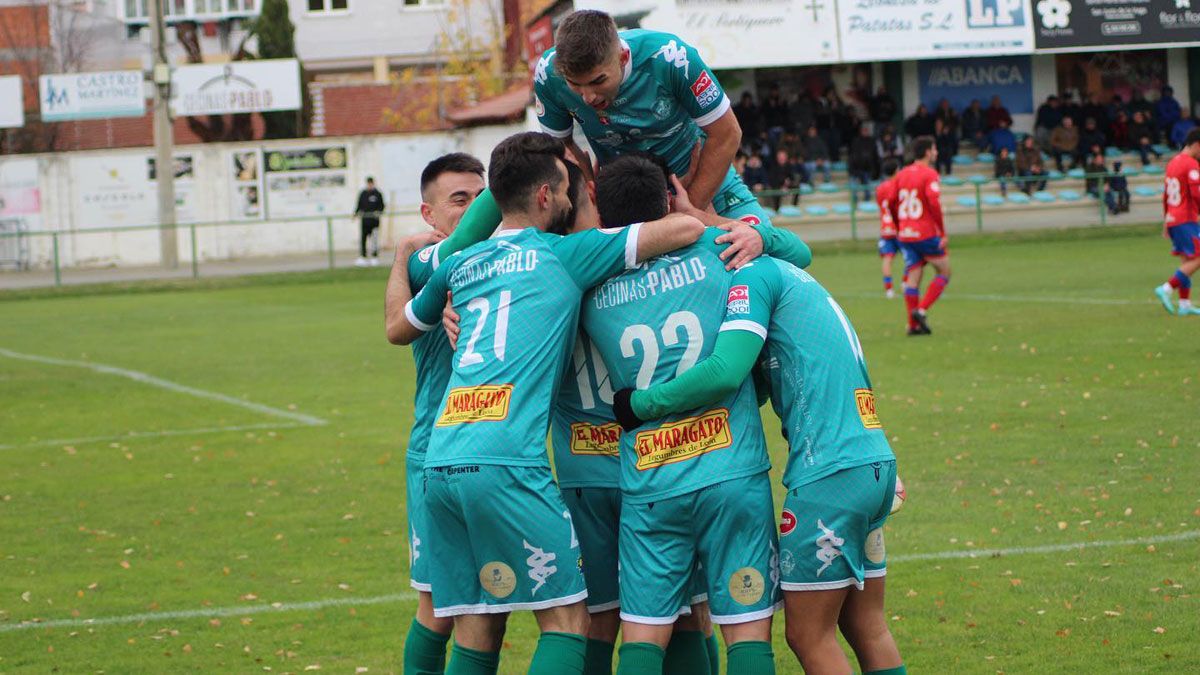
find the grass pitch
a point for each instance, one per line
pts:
(1055, 405)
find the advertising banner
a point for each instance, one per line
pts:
(736, 34)
(81, 96)
(308, 182)
(12, 102)
(20, 197)
(237, 87)
(962, 80)
(118, 190)
(1090, 24)
(246, 179)
(402, 160)
(917, 29)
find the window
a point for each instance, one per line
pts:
(135, 9)
(328, 6)
(423, 3)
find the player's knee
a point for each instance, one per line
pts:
(804, 636)
(863, 628)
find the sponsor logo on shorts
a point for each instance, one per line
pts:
(484, 403)
(596, 439)
(540, 568)
(746, 586)
(705, 90)
(787, 562)
(865, 400)
(787, 523)
(498, 579)
(739, 300)
(828, 544)
(465, 468)
(875, 550)
(750, 218)
(683, 440)
(414, 548)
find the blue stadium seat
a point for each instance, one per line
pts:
(1147, 191)
(790, 211)
(1076, 173)
(828, 188)
(1046, 158)
(838, 166)
(1044, 196)
(769, 211)
(1153, 170)
(868, 207)
(966, 201)
(1162, 149)
(985, 158)
(816, 210)
(1069, 195)
(1113, 151)
(1018, 198)
(977, 179)
(1054, 174)
(963, 160)
(993, 200)
(953, 181)
(1131, 171)
(841, 209)
(806, 189)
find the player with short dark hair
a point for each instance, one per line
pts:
(1181, 211)
(885, 199)
(922, 232)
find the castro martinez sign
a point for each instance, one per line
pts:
(237, 87)
(81, 96)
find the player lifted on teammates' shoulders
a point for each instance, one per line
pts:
(922, 232)
(1181, 211)
(885, 198)
(504, 539)
(643, 90)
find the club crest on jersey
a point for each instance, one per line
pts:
(739, 300)
(675, 55)
(864, 399)
(484, 403)
(596, 439)
(705, 90)
(787, 523)
(662, 108)
(683, 440)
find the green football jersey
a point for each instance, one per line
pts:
(583, 431)
(667, 93)
(518, 295)
(431, 354)
(815, 365)
(650, 324)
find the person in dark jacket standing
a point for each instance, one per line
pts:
(370, 207)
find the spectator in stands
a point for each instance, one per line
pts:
(882, 107)
(792, 143)
(1118, 130)
(1001, 137)
(829, 109)
(368, 209)
(1030, 166)
(920, 123)
(848, 123)
(972, 124)
(1064, 141)
(803, 112)
(1167, 111)
(1096, 172)
(947, 147)
(1049, 116)
(863, 163)
(816, 154)
(739, 164)
(1141, 137)
(996, 113)
(948, 116)
(1116, 191)
(1181, 128)
(1004, 170)
(782, 176)
(1090, 137)
(1116, 107)
(748, 117)
(774, 114)
(1139, 104)
(1072, 109)
(889, 146)
(1095, 110)
(755, 175)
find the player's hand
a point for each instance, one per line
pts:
(686, 180)
(623, 410)
(450, 320)
(745, 243)
(415, 242)
(681, 203)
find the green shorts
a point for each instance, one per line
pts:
(414, 500)
(596, 514)
(503, 540)
(728, 529)
(831, 530)
(735, 201)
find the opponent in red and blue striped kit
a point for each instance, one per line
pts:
(922, 232)
(885, 198)
(1181, 213)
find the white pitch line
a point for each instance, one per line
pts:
(1020, 298)
(153, 381)
(151, 434)
(218, 612)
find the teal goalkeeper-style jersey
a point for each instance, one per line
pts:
(431, 355)
(518, 295)
(667, 93)
(815, 365)
(583, 430)
(650, 324)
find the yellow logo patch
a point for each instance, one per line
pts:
(498, 579)
(595, 439)
(865, 400)
(484, 403)
(875, 550)
(746, 586)
(683, 440)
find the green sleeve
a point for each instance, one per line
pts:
(425, 309)
(477, 224)
(784, 245)
(709, 381)
(592, 256)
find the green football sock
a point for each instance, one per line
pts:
(898, 670)
(751, 658)
(686, 654)
(424, 651)
(714, 654)
(465, 661)
(640, 658)
(558, 654)
(598, 658)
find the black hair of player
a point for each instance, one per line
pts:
(577, 191)
(1192, 137)
(522, 163)
(657, 160)
(630, 189)
(921, 146)
(890, 166)
(455, 162)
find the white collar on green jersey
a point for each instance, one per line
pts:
(510, 233)
(628, 64)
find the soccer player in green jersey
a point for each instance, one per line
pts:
(504, 539)
(643, 90)
(841, 473)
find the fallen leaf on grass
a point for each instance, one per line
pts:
(1160, 630)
